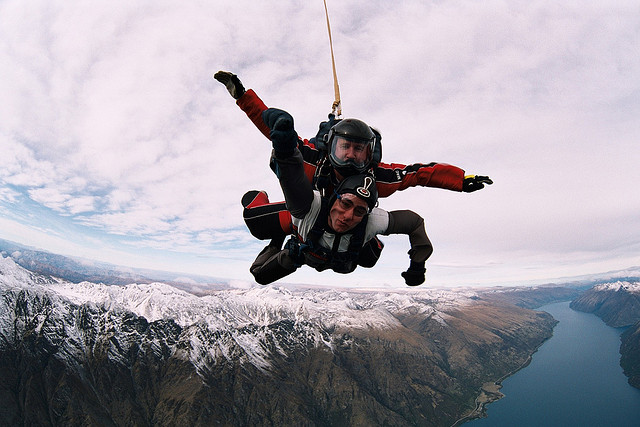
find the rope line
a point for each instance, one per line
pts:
(336, 107)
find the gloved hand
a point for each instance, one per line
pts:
(414, 275)
(282, 135)
(232, 82)
(475, 182)
(320, 140)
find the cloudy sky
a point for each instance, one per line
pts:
(116, 144)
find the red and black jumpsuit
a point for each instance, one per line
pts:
(268, 220)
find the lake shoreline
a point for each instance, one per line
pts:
(490, 392)
(568, 371)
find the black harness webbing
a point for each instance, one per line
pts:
(328, 258)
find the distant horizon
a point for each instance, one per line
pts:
(198, 280)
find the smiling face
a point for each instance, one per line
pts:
(347, 212)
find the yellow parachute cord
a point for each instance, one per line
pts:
(336, 108)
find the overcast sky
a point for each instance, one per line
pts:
(116, 143)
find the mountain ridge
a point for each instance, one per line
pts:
(79, 354)
(76, 270)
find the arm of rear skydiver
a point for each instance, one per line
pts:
(247, 100)
(254, 107)
(397, 177)
(389, 177)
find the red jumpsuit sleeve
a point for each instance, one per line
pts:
(253, 107)
(396, 177)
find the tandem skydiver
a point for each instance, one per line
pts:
(340, 149)
(330, 232)
(272, 221)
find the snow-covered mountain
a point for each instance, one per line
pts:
(616, 302)
(236, 310)
(150, 354)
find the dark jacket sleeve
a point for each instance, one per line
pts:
(253, 107)
(409, 222)
(297, 189)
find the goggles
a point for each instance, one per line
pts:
(347, 204)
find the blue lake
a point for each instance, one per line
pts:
(574, 379)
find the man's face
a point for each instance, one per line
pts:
(357, 152)
(347, 212)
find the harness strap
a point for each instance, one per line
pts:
(322, 176)
(298, 248)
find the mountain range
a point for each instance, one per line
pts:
(83, 343)
(77, 269)
(150, 354)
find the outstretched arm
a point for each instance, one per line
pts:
(412, 224)
(392, 177)
(254, 107)
(247, 100)
(297, 189)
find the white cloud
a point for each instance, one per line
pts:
(111, 121)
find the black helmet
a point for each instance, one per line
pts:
(342, 136)
(362, 185)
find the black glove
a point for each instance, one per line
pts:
(282, 135)
(475, 182)
(232, 82)
(414, 276)
(320, 140)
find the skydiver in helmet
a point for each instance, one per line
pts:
(351, 143)
(330, 232)
(351, 149)
(390, 177)
(351, 146)
(273, 220)
(325, 167)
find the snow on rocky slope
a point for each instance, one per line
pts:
(631, 287)
(241, 307)
(241, 317)
(150, 354)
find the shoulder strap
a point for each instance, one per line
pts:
(357, 240)
(297, 248)
(320, 224)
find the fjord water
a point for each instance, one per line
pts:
(574, 379)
